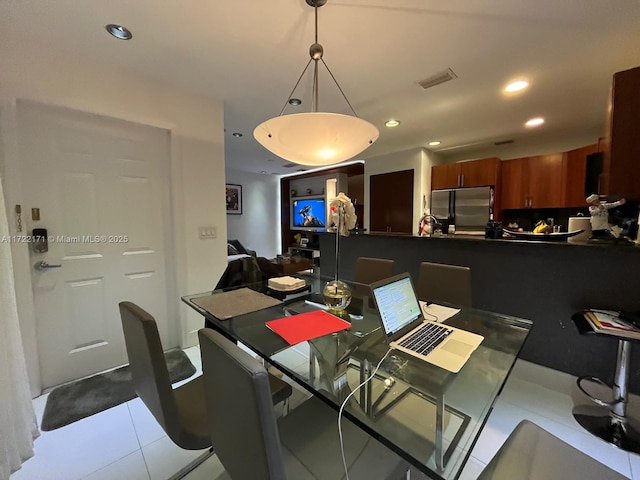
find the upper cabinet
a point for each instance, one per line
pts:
(391, 202)
(621, 168)
(445, 176)
(532, 182)
(574, 175)
(474, 173)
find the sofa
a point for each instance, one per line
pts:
(236, 250)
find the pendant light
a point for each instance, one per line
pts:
(316, 138)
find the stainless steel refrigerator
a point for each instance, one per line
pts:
(469, 209)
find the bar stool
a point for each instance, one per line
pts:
(611, 425)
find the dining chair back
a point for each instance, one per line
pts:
(532, 453)
(250, 443)
(370, 270)
(438, 282)
(181, 412)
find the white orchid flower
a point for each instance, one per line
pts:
(343, 214)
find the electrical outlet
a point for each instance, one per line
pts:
(207, 233)
(550, 221)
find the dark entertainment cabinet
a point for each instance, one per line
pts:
(355, 176)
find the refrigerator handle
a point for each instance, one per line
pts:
(452, 204)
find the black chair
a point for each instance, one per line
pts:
(438, 282)
(370, 270)
(180, 411)
(303, 445)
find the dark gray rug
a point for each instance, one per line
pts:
(69, 403)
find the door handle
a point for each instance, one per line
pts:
(43, 266)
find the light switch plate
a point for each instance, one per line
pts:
(207, 233)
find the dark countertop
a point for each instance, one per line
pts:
(617, 244)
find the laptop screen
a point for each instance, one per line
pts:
(397, 304)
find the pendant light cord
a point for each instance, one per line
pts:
(315, 7)
(314, 101)
(286, 102)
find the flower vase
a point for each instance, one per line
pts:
(336, 293)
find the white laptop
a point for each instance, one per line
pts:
(406, 329)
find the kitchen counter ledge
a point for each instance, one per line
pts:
(546, 282)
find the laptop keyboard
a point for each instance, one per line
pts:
(424, 340)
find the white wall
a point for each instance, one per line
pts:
(417, 159)
(35, 72)
(258, 226)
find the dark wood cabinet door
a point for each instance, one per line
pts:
(622, 159)
(574, 172)
(480, 173)
(545, 181)
(515, 193)
(391, 202)
(445, 176)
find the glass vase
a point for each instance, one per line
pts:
(337, 296)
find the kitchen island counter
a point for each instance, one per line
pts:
(545, 282)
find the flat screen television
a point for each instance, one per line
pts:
(308, 213)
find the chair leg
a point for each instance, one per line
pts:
(184, 471)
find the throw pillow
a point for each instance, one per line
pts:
(231, 250)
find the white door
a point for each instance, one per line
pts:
(102, 189)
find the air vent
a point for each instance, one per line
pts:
(503, 142)
(438, 78)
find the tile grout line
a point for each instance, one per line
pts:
(138, 440)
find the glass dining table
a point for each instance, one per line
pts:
(427, 415)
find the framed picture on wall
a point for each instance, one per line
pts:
(234, 199)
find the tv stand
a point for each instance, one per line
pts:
(305, 252)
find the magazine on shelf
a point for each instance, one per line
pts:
(611, 323)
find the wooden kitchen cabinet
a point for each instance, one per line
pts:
(574, 172)
(621, 168)
(480, 173)
(532, 182)
(474, 173)
(445, 176)
(515, 191)
(391, 202)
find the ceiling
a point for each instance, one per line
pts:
(249, 54)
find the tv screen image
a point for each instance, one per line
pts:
(309, 213)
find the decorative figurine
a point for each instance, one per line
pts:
(599, 211)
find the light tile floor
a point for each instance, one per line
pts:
(125, 442)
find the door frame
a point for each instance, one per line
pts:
(14, 193)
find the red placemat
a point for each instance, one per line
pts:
(306, 326)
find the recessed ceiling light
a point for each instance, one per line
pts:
(534, 122)
(118, 31)
(263, 172)
(236, 134)
(516, 86)
(392, 123)
(295, 102)
(435, 143)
